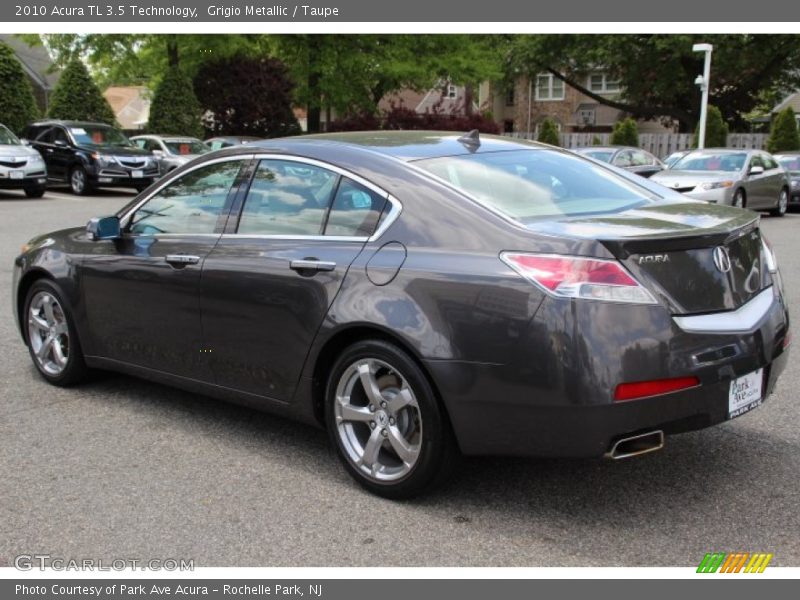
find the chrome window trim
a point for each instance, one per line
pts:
(167, 179)
(742, 320)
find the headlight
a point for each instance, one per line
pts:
(715, 185)
(103, 159)
(35, 158)
(796, 183)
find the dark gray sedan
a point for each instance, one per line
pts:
(421, 296)
(742, 178)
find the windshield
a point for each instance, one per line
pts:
(790, 163)
(711, 161)
(7, 138)
(534, 184)
(186, 147)
(98, 135)
(603, 155)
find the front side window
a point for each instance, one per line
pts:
(287, 198)
(527, 185)
(549, 87)
(190, 204)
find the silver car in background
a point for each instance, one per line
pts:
(21, 167)
(744, 178)
(171, 151)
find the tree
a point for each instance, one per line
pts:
(626, 133)
(17, 104)
(246, 96)
(784, 136)
(716, 130)
(77, 97)
(548, 133)
(175, 108)
(656, 72)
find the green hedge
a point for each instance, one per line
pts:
(17, 103)
(78, 98)
(175, 108)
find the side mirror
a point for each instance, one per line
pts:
(756, 170)
(158, 153)
(103, 228)
(25, 141)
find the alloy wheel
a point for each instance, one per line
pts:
(48, 333)
(378, 420)
(738, 199)
(78, 181)
(783, 202)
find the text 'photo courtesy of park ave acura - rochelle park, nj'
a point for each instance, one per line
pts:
(399, 300)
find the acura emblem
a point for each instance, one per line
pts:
(722, 259)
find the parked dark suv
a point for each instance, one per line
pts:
(90, 155)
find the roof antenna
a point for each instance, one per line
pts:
(471, 140)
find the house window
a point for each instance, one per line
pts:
(510, 99)
(451, 91)
(600, 83)
(549, 87)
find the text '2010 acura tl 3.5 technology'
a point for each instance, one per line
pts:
(422, 296)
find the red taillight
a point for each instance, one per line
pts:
(579, 277)
(643, 389)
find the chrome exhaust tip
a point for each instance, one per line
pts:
(636, 445)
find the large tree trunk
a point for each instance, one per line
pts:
(469, 94)
(314, 94)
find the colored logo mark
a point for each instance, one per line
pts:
(734, 562)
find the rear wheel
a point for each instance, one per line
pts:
(739, 200)
(52, 338)
(783, 203)
(390, 431)
(79, 182)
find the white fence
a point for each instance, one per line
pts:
(660, 144)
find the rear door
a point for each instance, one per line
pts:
(774, 180)
(270, 280)
(757, 184)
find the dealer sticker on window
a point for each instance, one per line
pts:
(745, 393)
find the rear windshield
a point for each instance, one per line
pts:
(533, 184)
(711, 161)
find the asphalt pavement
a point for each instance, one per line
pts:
(121, 469)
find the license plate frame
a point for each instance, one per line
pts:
(137, 174)
(746, 393)
(16, 174)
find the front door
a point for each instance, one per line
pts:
(267, 286)
(141, 291)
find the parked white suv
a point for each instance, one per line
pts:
(21, 167)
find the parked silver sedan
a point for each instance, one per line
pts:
(170, 151)
(21, 167)
(744, 178)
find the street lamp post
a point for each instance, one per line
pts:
(703, 81)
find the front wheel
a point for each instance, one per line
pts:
(52, 338)
(36, 192)
(739, 199)
(783, 203)
(79, 182)
(390, 431)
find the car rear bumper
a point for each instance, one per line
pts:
(497, 410)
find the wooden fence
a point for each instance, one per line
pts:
(660, 144)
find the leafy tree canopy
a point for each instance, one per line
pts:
(625, 133)
(784, 136)
(17, 104)
(175, 108)
(716, 129)
(548, 133)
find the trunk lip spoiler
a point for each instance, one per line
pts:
(744, 319)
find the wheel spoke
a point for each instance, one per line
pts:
(38, 322)
(405, 451)
(61, 328)
(58, 353)
(47, 305)
(371, 450)
(368, 382)
(348, 412)
(44, 349)
(403, 399)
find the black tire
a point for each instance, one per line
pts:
(782, 205)
(79, 182)
(74, 370)
(37, 192)
(739, 199)
(437, 454)
(140, 188)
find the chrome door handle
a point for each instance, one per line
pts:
(310, 264)
(182, 259)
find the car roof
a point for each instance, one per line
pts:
(587, 148)
(404, 145)
(788, 153)
(161, 136)
(69, 123)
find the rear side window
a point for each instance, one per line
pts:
(355, 211)
(190, 204)
(287, 198)
(532, 184)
